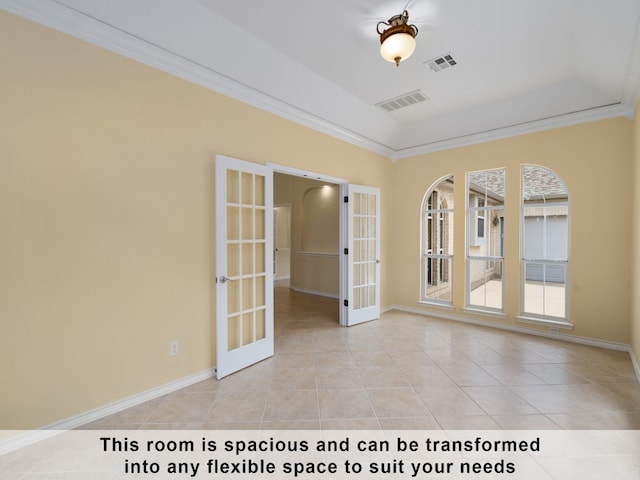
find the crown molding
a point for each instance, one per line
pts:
(62, 18)
(565, 120)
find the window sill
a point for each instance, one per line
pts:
(444, 306)
(487, 313)
(552, 324)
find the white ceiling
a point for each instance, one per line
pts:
(523, 65)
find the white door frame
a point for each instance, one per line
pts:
(343, 228)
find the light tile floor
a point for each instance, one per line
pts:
(402, 371)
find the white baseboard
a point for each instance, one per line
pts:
(25, 438)
(594, 342)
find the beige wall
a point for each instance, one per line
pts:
(635, 254)
(107, 236)
(594, 160)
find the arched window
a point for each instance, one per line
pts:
(545, 245)
(437, 243)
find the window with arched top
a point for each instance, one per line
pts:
(437, 243)
(545, 245)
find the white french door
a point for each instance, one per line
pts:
(244, 264)
(245, 256)
(363, 258)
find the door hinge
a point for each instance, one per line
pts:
(346, 303)
(346, 251)
(346, 199)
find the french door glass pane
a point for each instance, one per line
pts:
(233, 298)
(259, 233)
(233, 223)
(247, 293)
(247, 188)
(259, 258)
(234, 332)
(259, 299)
(247, 259)
(233, 262)
(259, 190)
(247, 223)
(247, 328)
(260, 324)
(233, 187)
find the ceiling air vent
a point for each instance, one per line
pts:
(441, 63)
(404, 100)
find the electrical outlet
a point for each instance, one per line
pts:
(173, 348)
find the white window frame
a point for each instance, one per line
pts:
(436, 215)
(473, 213)
(554, 322)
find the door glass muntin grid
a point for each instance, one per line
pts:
(246, 240)
(365, 250)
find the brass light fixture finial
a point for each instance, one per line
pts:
(398, 41)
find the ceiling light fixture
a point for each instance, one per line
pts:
(398, 41)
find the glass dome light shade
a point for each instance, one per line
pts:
(397, 47)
